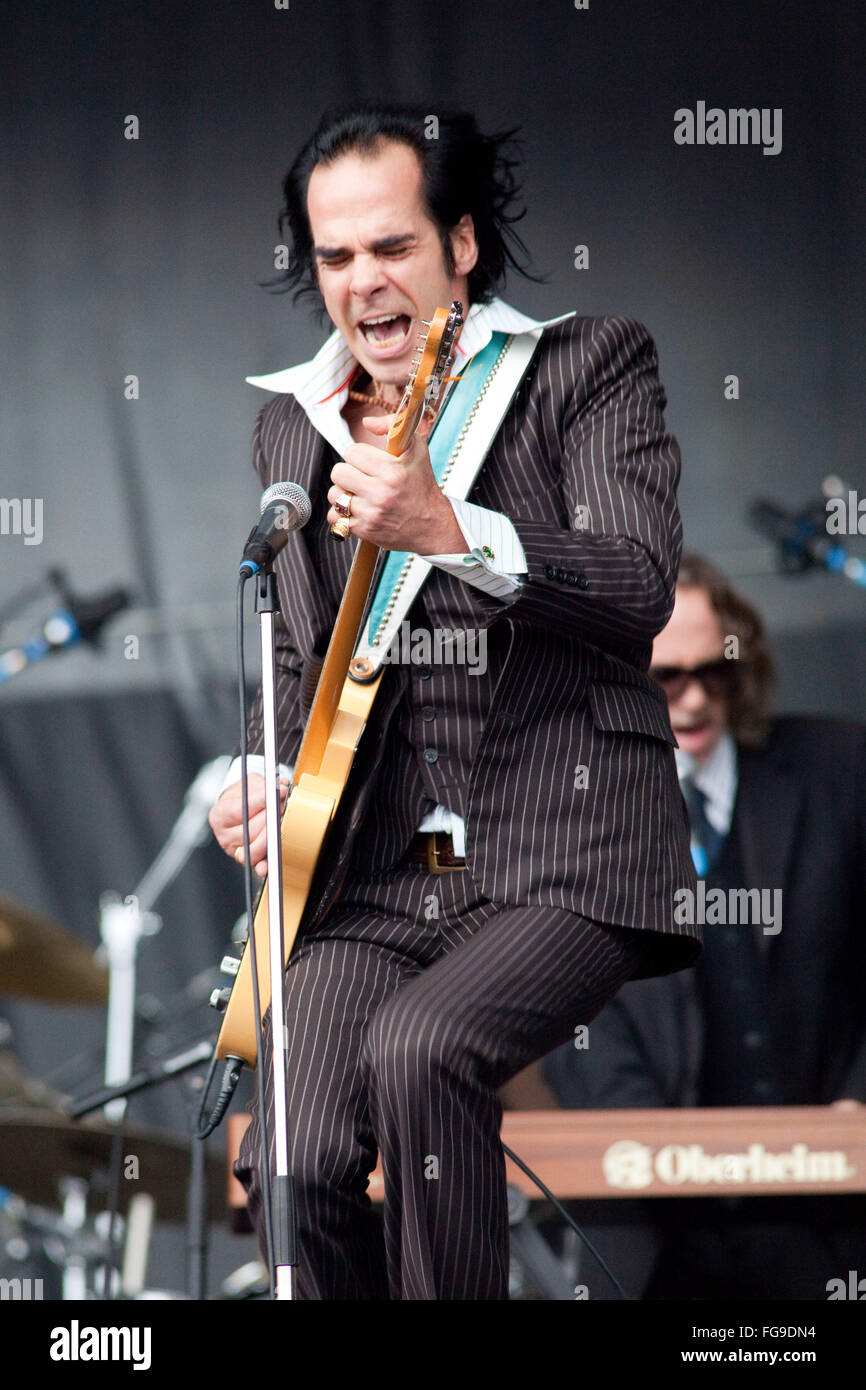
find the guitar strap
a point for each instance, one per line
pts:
(459, 445)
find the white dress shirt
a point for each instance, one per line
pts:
(717, 779)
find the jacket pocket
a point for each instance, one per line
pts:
(631, 709)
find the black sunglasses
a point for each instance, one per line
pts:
(717, 677)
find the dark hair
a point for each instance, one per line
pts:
(749, 717)
(462, 172)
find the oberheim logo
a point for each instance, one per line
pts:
(631, 1166)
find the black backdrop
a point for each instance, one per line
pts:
(143, 257)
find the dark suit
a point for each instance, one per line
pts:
(799, 824)
(552, 855)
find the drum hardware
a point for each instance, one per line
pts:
(38, 1139)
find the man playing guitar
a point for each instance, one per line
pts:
(516, 834)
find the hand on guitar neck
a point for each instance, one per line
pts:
(396, 502)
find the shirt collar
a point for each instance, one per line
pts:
(717, 779)
(319, 385)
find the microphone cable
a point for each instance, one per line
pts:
(581, 1235)
(234, 1065)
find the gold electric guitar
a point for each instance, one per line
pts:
(338, 715)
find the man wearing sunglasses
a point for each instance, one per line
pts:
(774, 1013)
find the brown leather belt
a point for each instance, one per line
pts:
(436, 850)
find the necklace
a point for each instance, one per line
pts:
(371, 397)
(367, 399)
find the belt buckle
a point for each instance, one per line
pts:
(433, 858)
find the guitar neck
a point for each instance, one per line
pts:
(349, 615)
(345, 633)
(336, 663)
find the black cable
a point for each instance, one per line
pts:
(231, 1076)
(581, 1235)
(204, 1130)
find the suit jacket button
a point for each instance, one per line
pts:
(430, 755)
(582, 581)
(549, 572)
(571, 578)
(560, 574)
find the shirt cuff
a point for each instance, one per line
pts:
(255, 763)
(494, 559)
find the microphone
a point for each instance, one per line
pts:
(803, 540)
(79, 620)
(798, 536)
(285, 507)
(90, 614)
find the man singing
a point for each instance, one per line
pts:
(518, 833)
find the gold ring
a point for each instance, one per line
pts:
(342, 507)
(239, 851)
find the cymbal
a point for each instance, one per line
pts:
(39, 1147)
(18, 1087)
(41, 960)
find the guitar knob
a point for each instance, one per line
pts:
(360, 668)
(220, 998)
(230, 965)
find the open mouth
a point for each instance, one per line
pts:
(386, 330)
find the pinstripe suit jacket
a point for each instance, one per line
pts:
(587, 473)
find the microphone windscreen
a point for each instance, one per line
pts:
(288, 492)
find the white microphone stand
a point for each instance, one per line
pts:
(282, 1194)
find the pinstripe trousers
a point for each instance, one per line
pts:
(409, 1005)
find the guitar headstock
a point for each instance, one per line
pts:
(434, 357)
